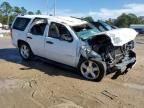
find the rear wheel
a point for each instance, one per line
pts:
(92, 70)
(25, 51)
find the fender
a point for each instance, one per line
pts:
(91, 55)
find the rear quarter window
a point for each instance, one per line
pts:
(21, 23)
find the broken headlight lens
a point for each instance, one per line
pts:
(85, 50)
(116, 39)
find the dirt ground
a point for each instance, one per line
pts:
(38, 84)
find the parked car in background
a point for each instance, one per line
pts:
(0, 26)
(75, 43)
(138, 27)
(1, 34)
(5, 27)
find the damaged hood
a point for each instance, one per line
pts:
(120, 36)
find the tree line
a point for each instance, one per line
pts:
(8, 12)
(124, 20)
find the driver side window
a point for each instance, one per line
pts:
(59, 31)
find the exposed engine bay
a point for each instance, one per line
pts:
(114, 56)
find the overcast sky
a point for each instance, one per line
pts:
(99, 9)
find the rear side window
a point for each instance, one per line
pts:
(21, 23)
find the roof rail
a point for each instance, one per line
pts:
(77, 18)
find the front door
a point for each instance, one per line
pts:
(60, 45)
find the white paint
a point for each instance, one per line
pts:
(120, 36)
(63, 51)
(0, 25)
(60, 19)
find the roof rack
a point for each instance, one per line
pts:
(76, 17)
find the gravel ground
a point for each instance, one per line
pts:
(37, 84)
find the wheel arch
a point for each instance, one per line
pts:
(80, 59)
(101, 64)
(19, 42)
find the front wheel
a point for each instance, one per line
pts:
(92, 70)
(25, 51)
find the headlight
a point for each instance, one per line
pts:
(85, 50)
(116, 39)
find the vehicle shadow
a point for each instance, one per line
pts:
(118, 74)
(12, 55)
(47, 67)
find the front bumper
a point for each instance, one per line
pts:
(125, 65)
(127, 62)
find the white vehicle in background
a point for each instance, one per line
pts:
(138, 27)
(75, 43)
(1, 32)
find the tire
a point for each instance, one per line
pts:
(97, 73)
(25, 51)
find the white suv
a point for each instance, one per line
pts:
(75, 43)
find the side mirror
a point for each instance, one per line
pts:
(67, 37)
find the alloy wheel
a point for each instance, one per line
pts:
(90, 70)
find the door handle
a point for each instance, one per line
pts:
(29, 37)
(49, 42)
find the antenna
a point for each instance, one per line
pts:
(54, 7)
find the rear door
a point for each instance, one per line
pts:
(36, 36)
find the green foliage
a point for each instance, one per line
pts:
(4, 20)
(89, 19)
(122, 21)
(38, 12)
(125, 20)
(141, 19)
(5, 8)
(17, 10)
(23, 11)
(110, 21)
(8, 13)
(30, 13)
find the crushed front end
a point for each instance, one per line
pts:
(116, 57)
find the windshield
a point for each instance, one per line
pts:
(85, 31)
